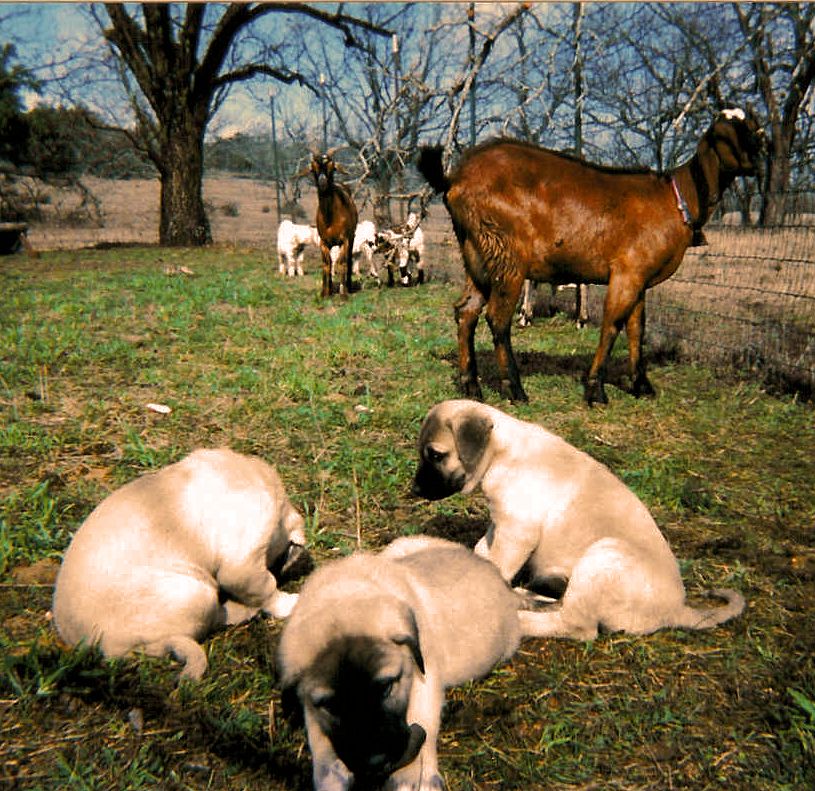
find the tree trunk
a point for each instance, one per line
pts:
(183, 220)
(776, 182)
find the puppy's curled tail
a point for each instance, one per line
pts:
(431, 167)
(707, 618)
(185, 650)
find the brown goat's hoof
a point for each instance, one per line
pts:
(513, 392)
(471, 389)
(595, 393)
(642, 387)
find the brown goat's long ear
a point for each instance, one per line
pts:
(306, 171)
(471, 433)
(410, 638)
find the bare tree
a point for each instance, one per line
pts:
(180, 61)
(781, 38)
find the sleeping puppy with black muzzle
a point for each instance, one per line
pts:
(573, 527)
(173, 555)
(372, 644)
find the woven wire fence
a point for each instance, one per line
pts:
(744, 303)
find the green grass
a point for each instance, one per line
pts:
(333, 394)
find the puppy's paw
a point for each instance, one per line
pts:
(332, 777)
(281, 604)
(235, 612)
(435, 783)
(411, 778)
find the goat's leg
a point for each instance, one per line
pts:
(620, 300)
(420, 270)
(349, 265)
(327, 284)
(525, 317)
(404, 262)
(581, 305)
(467, 310)
(342, 271)
(500, 310)
(635, 330)
(368, 253)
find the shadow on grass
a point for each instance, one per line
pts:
(572, 366)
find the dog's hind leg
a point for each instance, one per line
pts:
(553, 623)
(257, 589)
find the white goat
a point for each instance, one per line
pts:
(581, 306)
(401, 247)
(291, 244)
(364, 243)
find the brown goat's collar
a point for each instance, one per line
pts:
(698, 239)
(681, 204)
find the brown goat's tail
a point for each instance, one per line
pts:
(431, 167)
(703, 618)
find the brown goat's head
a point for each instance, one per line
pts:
(323, 168)
(738, 141)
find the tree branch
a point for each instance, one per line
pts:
(253, 69)
(129, 39)
(464, 86)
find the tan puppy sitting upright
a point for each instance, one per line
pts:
(175, 554)
(563, 516)
(372, 644)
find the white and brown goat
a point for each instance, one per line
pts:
(403, 247)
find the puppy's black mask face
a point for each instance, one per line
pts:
(360, 695)
(292, 564)
(451, 452)
(433, 479)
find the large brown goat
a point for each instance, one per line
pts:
(337, 219)
(520, 211)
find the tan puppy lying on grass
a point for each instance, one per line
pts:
(175, 554)
(372, 644)
(563, 516)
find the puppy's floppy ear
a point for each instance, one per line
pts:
(290, 703)
(410, 638)
(471, 433)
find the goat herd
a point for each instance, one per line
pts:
(344, 240)
(524, 214)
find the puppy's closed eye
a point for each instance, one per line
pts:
(435, 456)
(386, 685)
(322, 699)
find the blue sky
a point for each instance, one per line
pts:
(48, 36)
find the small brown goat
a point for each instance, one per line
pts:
(337, 219)
(520, 211)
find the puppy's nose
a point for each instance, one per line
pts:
(377, 762)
